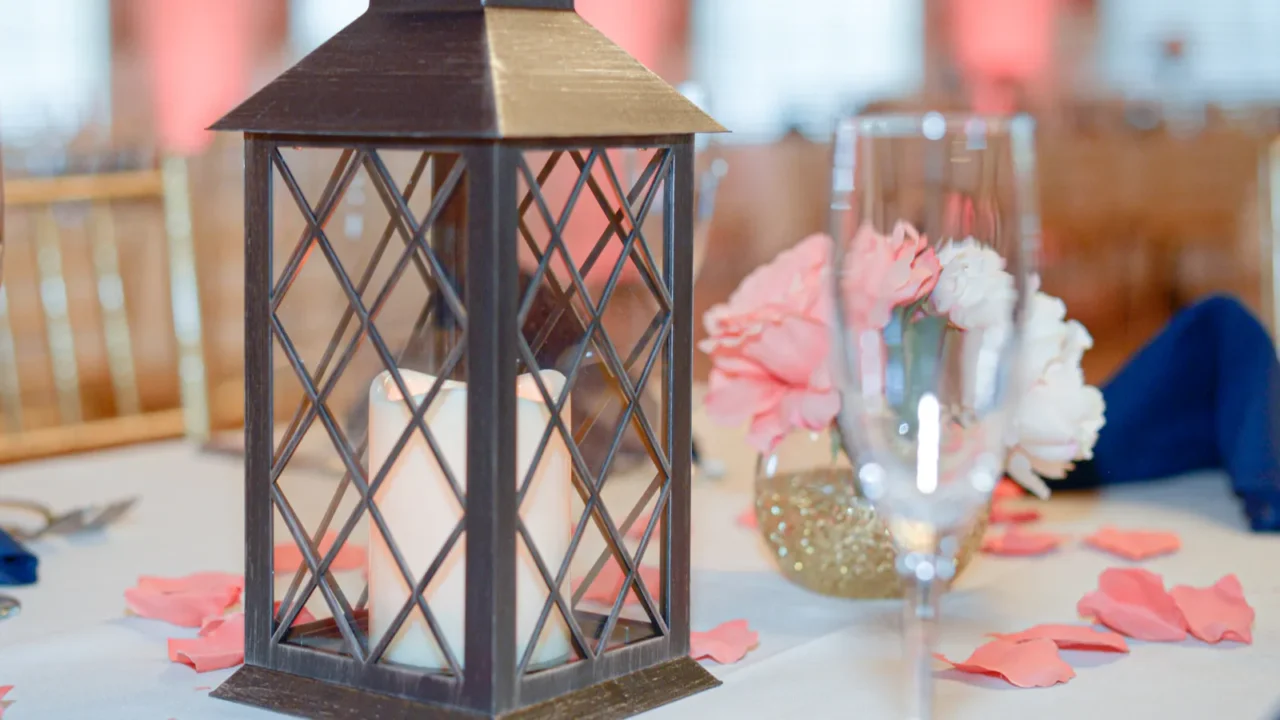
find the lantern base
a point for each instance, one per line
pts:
(622, 697)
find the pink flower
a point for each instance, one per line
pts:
(883, 272)
(768, 345)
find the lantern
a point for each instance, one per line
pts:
(411, 386)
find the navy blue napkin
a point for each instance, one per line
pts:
(1204, 394)
(17, 564)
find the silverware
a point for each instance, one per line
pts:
(9, 607)
(83, 519)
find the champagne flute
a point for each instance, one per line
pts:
(935, 232)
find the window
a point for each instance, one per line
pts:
(311, 22)
(1229, 49)
(769, 66)
(55, 68)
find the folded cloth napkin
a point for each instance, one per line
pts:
(1205, 393)
(17, 564)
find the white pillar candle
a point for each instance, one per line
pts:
(421, 511)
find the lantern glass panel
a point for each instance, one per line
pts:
(595, 315)
(370, 403)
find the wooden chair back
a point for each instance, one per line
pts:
(83, 363)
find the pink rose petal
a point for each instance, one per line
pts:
(726, 643)
(194, 583)
(1008, 489)
(608, 583)
(1134, 544)
(1133, 602)
(1000, 514)
(1030, 664)
(1017, 542)
(768, 346)
(1218, 612)
(221, 647)
(186, 609)
(882, 272)
(769, 343)
(304, 615)
(212, 623)
(288, 558)
(1070, 637)
(4, 690)
(184, 601)
(747, 519)
(785, 350)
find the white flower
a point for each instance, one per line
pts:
(1057, 423)
(1058, 415)
(1049, 337)
(973, 289)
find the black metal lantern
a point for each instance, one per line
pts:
(418, 365)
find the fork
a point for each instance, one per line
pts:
(82, 519)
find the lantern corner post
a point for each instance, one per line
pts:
(258, 420)
(678, 381)
(490, 683)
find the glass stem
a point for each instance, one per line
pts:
(920, 636)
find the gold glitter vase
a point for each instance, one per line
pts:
(823, 534)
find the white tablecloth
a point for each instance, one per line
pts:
(73, 655)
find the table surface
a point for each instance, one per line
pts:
(72, 653)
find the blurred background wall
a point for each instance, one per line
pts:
(1156, 117)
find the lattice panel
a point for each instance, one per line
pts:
(582, 233)
(371, 446)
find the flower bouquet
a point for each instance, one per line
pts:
(771, 370)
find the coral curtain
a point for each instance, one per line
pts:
(198, 54)
(641, 27)
(1001, 45)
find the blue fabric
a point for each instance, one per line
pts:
(17, 564)
(1205, 393)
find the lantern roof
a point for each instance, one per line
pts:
(469, 69)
